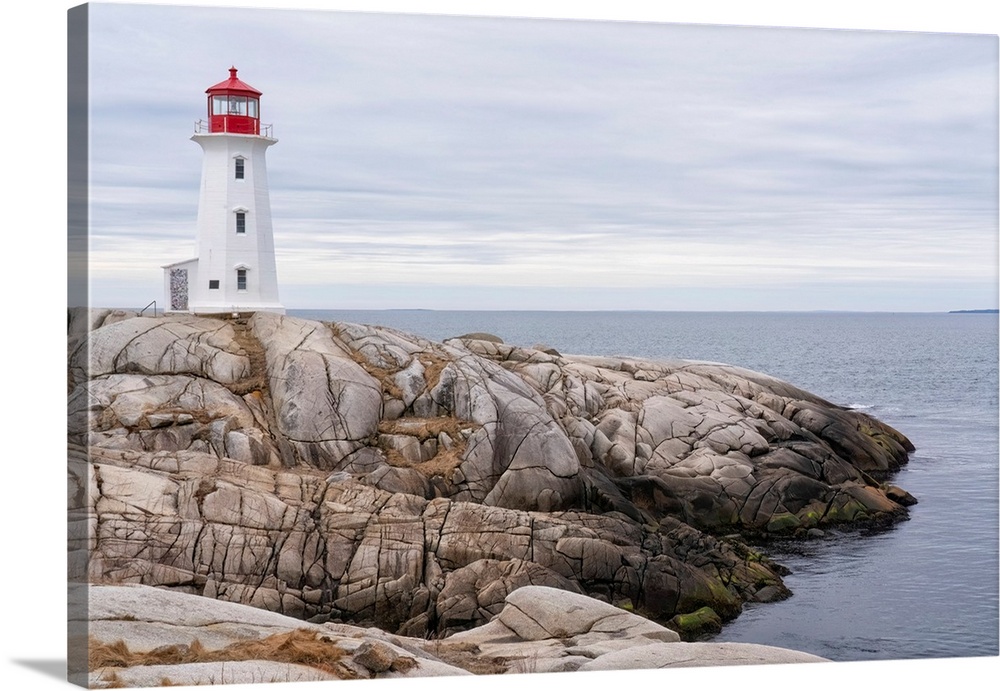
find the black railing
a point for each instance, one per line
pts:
(152, 304)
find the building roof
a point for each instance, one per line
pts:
(232, 85)
(184, 261)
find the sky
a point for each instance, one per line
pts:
(448, 162)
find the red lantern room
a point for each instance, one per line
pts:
(233, 106)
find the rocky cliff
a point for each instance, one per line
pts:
(337, 472)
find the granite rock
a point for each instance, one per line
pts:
(344, 472)
(139, 636)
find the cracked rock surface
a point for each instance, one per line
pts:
(142, 636)
(351, 473)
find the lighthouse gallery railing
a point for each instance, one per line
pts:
(203, 127)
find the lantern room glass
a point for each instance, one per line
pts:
(235, 105)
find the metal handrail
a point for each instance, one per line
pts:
(203, 127)
(153, 303)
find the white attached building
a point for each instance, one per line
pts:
(235, 269)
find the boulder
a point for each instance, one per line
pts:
(163, 345)
(325, 404)
(664, 655)
(699, 623)
(545, 630)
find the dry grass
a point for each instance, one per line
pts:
(444, 462)
(299, 647)
(383, 376)
(256, 381)
(403, 664)
(467, 656)
(433, 366)
(441, 464)
(423, 429)
(426, 427)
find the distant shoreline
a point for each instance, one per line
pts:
(990, 311)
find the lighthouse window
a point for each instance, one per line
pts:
(237, 105)
(241, 279)
(239, 168)
(213, 285)
(220, 105)
(252, 107)
(241, 222)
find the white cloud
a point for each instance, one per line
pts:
(457, 151)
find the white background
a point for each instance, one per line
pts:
(33, 379)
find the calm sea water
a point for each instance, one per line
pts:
(925, 588)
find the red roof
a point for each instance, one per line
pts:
(232, 85)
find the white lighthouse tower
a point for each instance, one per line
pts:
(235, 269)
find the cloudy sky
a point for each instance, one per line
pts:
(487, 163)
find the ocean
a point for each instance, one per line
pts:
(928, 587)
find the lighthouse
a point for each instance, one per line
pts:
(235, 269)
